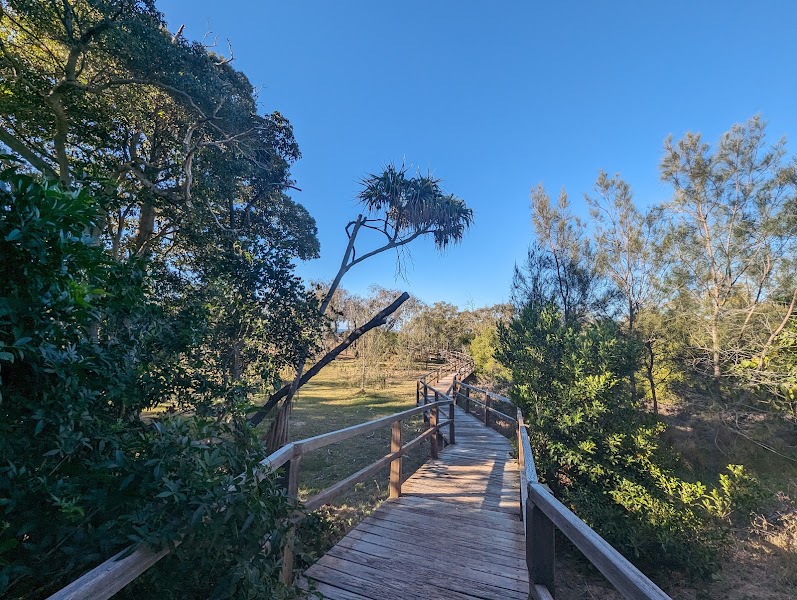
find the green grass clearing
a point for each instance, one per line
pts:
(332, 400)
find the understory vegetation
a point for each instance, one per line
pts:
(631, 327)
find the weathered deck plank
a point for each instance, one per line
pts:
(455, 533)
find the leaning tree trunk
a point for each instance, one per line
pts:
(277, 435)
(715, 351)
(278, 431)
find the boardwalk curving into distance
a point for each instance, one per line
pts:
(451, 530)
(455, 532)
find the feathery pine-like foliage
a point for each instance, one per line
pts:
(599, 453)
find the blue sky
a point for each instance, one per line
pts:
(494, 98)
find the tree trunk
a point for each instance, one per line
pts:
(715, 349)
(60, 138)
(362, 360)
(632, 376)
(146, 226)
(278, 431)
(236, 370)
(649, 363)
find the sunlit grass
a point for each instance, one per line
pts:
(333, 400)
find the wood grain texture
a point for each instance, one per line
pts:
(455, 531)
(624, 576)
(104, 581)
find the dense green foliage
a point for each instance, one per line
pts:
(157, 275)
(612, 313)
(84, 341)
(599, 453)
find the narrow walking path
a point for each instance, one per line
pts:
(454, 533)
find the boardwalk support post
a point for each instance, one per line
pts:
(539, 549)
(395, 464)
(451, 439)
(425, 402)
(454, 390)
(433, 424)
(286, 576)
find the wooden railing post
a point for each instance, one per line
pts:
(433, 424)
(395, 464)
(417, 392)
(451, 439)
(539, 548)
(521, 451)
(487, 409)
(467, 400)
(425, 402)
(286, 575)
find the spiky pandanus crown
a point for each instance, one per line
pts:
(415, 205)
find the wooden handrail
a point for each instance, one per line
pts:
(325, 439)
(488, 410)
(543, 514)
(527, 466)
(111, 576)
(624, 576)
(503, 415)
(462, 361)
(486, 392)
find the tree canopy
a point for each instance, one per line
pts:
(148, 244)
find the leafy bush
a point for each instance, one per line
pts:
(600, 453)
(482, 348)
(83, 344)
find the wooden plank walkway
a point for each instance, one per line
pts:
(454, 533)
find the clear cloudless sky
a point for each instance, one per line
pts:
(494, 98)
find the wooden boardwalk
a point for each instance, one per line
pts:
(454, 533)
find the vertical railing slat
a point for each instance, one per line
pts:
(434, 449)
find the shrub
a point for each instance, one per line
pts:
(600, 453)
(82, 475)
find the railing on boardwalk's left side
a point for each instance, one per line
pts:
(107, 579)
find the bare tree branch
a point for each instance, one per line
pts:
(25, 152)
(377, 320)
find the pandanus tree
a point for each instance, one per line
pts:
(400, 209)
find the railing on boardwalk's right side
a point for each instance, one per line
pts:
(543, 514)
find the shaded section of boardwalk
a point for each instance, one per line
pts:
(455, 532)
